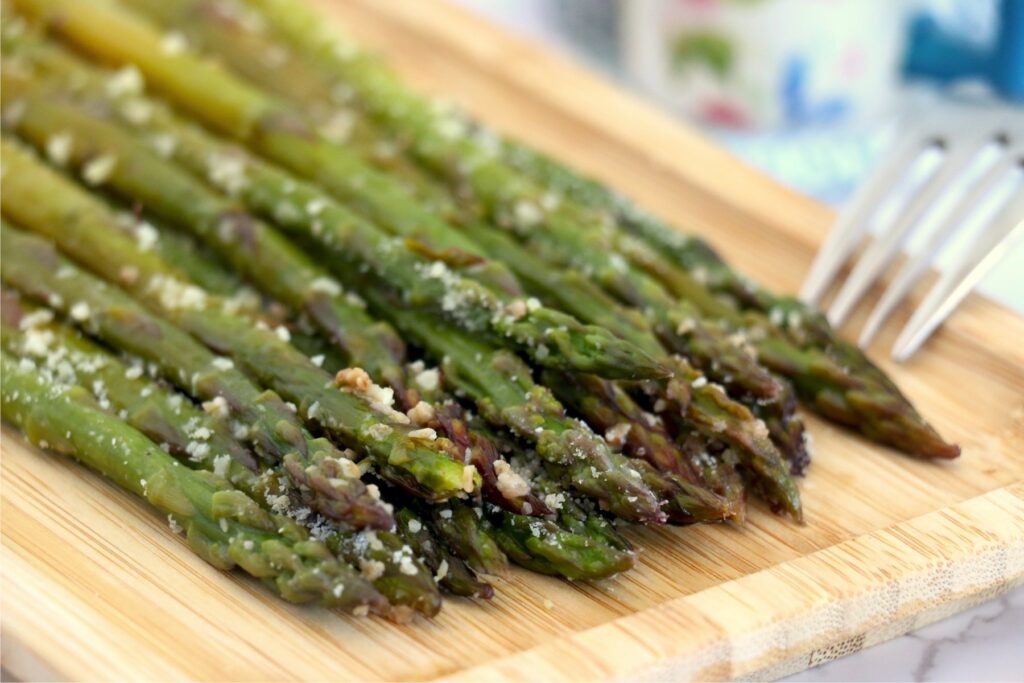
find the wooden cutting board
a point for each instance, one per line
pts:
(95, 586)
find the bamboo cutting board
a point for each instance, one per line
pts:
(96, 587)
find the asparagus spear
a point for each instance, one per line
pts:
(707, 346)
(297, 142)
(500, 384)
(551, 338)
(227, 104)
(391, 564)
(32, 266)
(452, 573)
(198, 154)
(223, 526)
(200, 441)
(712, 413)
(235, 33)
(266, 187)
(360, 416)
(162, 415)
(196, 262)
(306, 153)
(575, 514)
(849, 388)
(262, 240)
(543, 546)
(162, 181)
(610, 409)
(468, 535)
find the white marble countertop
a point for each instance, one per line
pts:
(982, 644)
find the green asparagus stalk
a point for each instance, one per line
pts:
(468, 536)
(549, 337)
(307, 153)
(425, 127)
(223, 526)
(227, 104)
(712, 413)
(359, 416)
(500, 385)
(156, 183)
(164, 186)
(452, 573)
(234, 32)
(164, 416)
(755, 455)
(575, 514)
(314, 465)
(231, 31)
(393, 566)
(608, 408)
(655, 342)
(200, 265)
(542, 546)
(201, 441)
(263, 241)
(847, 388)
(705, 345)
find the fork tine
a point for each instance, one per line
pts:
(881, 252)
(914, 268)
(1001, 236)
(844, 236)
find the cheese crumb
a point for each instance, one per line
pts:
(97, 171)
(442, 570)
(425, 433)
(173, 43)
(422, 413)
(554, 500)
(355, 379)
(510, 483)
(616, 436)
(371, 569)
(125, 81)
(36, 318)
(468, 483)
(217, 406)
(146, 236)
(429, 380)
(58, 148)
(220, 465)
(325, 285)
(80, 311)
(517, 309)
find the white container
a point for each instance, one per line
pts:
(766, 64)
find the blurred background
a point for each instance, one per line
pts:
(810, 92)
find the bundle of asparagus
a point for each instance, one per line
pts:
(246, 302)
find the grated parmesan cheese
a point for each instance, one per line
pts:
(80, 311)
(510, 483)
(58, 148)
(97, 171)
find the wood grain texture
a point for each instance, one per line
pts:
(96, 587)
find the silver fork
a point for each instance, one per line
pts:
(963, 138)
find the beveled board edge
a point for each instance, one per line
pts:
(803, 612)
